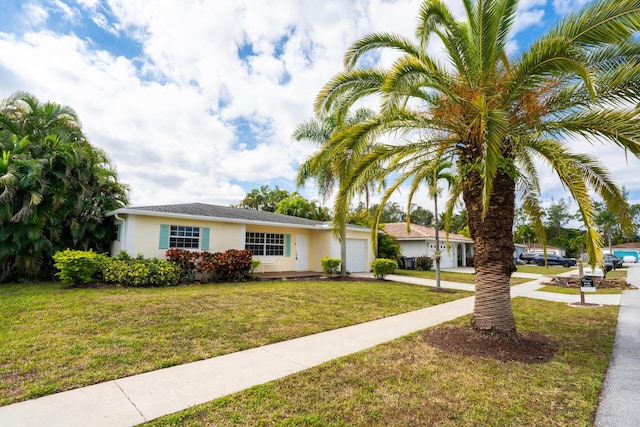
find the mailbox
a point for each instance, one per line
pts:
(588, 284)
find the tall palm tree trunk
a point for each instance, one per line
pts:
(343, 251)
(437, 253)
(493, 259)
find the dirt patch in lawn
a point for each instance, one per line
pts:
(531, 348)
(609, 283)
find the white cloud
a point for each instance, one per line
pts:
(34, 14)
(167, 117)
(563, 7)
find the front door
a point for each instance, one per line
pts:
(302, 251)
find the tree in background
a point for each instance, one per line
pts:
(441, 170)
(458, 222)
(557, 216)
(330, 171)
(388, 212)
(55, 188)
(296, 205)
(421, 216)
(495, 114)
(263, 199)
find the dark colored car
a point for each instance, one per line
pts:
(528, 257)
(553, 260)
(611, 262)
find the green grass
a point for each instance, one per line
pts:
(547, 271)
(449, 276)
(575, 291)
(620, 272)
(409, 383)
(54, 339)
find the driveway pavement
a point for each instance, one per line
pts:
(136, 399)
(620, 398)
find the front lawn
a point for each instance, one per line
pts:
(449, 276)
(408, 382)
(576, 291)
(54, 339)
(547, 271)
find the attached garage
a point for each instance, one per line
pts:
(420, 241)
(357, 255)
(447, 255)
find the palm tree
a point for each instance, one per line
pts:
(440, 172)
(494, 115)
(327, 171)
(54, 186)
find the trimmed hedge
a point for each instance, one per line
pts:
(330, 265)
(78, 267)
(141, 272)
(382, 267)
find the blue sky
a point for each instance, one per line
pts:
(196, 101)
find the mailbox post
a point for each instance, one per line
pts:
(588, 281)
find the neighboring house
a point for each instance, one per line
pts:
(625, 249)
(519, 249)
(421, 241)
(280, 242)
(553, 250)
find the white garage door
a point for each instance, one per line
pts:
(356, 255)
(447, 258)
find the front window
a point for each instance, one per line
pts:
(182, 237)
(265, 244)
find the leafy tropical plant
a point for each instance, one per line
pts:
(296, 205)
(55, 187)
(263, 199)
(493, 115)
(329, 172)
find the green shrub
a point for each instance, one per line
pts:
(424, 263)
(330, 265)
(78, 267)
(162, 273)
(141, 272)
(254, 265)
(383, 266)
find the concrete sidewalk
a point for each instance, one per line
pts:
(620, 398)
(133, 400)
(136, 399)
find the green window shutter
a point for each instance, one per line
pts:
(287, 244)
(204, 242)
(164, 236)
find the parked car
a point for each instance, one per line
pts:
(553, 260)
(527, 257)
(611, 262)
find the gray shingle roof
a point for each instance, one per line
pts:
(223, 212)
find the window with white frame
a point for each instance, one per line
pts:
(261, 244)
(183, 237)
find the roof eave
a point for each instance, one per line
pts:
(319, 226)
